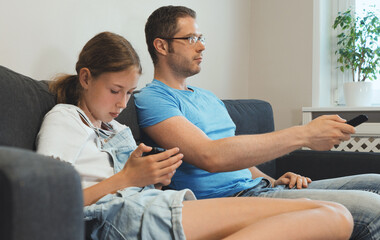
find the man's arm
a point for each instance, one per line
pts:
(245, 151)
(257, 173)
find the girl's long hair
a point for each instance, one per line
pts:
(106, 52)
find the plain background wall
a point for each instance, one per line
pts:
(41, 38)
(281, 66)
(255, 48)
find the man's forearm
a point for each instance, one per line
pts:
(245, 151)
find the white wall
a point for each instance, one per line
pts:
(42, 38)
(281, 66)
(255, 48)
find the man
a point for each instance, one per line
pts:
(217, 163)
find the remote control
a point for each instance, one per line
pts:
(357, 120)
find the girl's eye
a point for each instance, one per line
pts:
(114, 92)
(129, 93)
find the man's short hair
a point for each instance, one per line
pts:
(162, 23)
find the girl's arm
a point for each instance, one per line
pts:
(138, 172)
(63, 132)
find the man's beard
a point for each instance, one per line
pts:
(182, 67)
(184, 71)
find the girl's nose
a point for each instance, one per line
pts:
(123, 101)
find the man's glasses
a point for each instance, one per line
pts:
(192, 39)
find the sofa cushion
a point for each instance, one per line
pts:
(251, 116)
(128, 117)
(24, 102)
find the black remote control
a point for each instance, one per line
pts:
(154, 150)
(357, 120)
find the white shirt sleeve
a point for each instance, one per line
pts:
(63, 134)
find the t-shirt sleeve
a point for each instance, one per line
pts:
(154, 106)
(61, 136)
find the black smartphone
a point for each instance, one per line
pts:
(154, 150)
(357, 120)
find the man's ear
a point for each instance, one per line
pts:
(161, 46)
(84, 77)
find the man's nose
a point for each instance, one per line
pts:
(200, 46)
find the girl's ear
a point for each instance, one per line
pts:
(161, 46)
(84, 77)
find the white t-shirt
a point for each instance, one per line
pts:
(63, 135)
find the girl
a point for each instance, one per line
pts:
(119, 183)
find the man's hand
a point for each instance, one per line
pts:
(293, 180)
(326, 131)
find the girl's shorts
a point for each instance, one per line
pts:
(138, 213)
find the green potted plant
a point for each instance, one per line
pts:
(358, 51)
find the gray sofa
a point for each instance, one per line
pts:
(41, 198)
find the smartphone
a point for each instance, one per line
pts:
(154, 150)
(357, 120)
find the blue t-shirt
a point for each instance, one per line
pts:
(158, 102)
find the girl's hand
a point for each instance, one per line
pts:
(153, 169)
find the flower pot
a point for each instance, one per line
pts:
(358, 94)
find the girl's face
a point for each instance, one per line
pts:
(105, 96)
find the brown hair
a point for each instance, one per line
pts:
(106, 52)
(162, 23)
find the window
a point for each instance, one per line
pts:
(337, 77)
(327, 79)
(374, 5)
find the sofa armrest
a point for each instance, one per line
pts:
(328, 164)
(41, 198)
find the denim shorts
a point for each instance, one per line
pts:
(138, 213)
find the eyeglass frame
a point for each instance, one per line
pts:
(200, 39)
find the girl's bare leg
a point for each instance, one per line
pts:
(265, 218)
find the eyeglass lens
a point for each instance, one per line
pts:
(195, 39)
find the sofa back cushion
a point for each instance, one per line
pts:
(23, 104)
(253, 116)
(128, 117)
